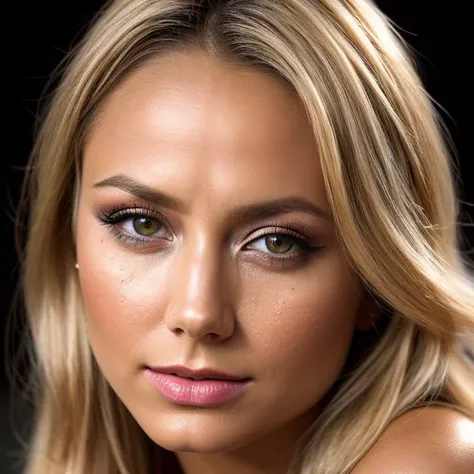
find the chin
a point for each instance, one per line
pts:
(195, 433)
(197, 441)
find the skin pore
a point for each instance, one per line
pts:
(181, 263)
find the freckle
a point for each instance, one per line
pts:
(101, 240)
(292, 288)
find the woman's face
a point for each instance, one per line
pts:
(204, 241)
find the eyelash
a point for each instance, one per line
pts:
(114, 216)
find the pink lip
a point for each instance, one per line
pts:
(177, 385)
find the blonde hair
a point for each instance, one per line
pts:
(390, 186)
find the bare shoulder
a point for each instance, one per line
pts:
(435, 440)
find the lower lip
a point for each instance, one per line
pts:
(199, 393)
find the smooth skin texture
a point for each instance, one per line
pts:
(186, 279)
(435, 440)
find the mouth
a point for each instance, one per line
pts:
(195, 377)
(197, 387)
(197, 374)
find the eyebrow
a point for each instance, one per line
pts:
(245, 213)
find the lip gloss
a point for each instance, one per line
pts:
(199, 393)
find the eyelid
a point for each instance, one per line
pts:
(277, 230)
(121, 212)
(290, 227)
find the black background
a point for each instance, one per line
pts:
(35, 35)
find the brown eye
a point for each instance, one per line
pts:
(145, 225)
(278, 243)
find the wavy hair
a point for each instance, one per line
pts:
(391, 186)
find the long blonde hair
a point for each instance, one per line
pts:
(391, 189)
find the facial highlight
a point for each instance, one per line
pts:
(219, 304)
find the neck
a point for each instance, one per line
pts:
(271, 454)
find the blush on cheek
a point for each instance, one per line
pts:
(124, 302)
(103, 287)
(305, 331)
(313, 336)
(114, 330)
(307, 312)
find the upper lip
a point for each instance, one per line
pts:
(196, 374)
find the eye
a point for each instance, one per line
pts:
(139, 226)
(282, 246)
(135, 226)
(145, 225)
(276, 243)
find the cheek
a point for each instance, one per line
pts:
(305, 327)
(113, 319)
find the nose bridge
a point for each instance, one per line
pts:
(204, 268)
(199, 308)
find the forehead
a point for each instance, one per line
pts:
(190, 121)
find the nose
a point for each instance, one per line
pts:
(200, 305)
